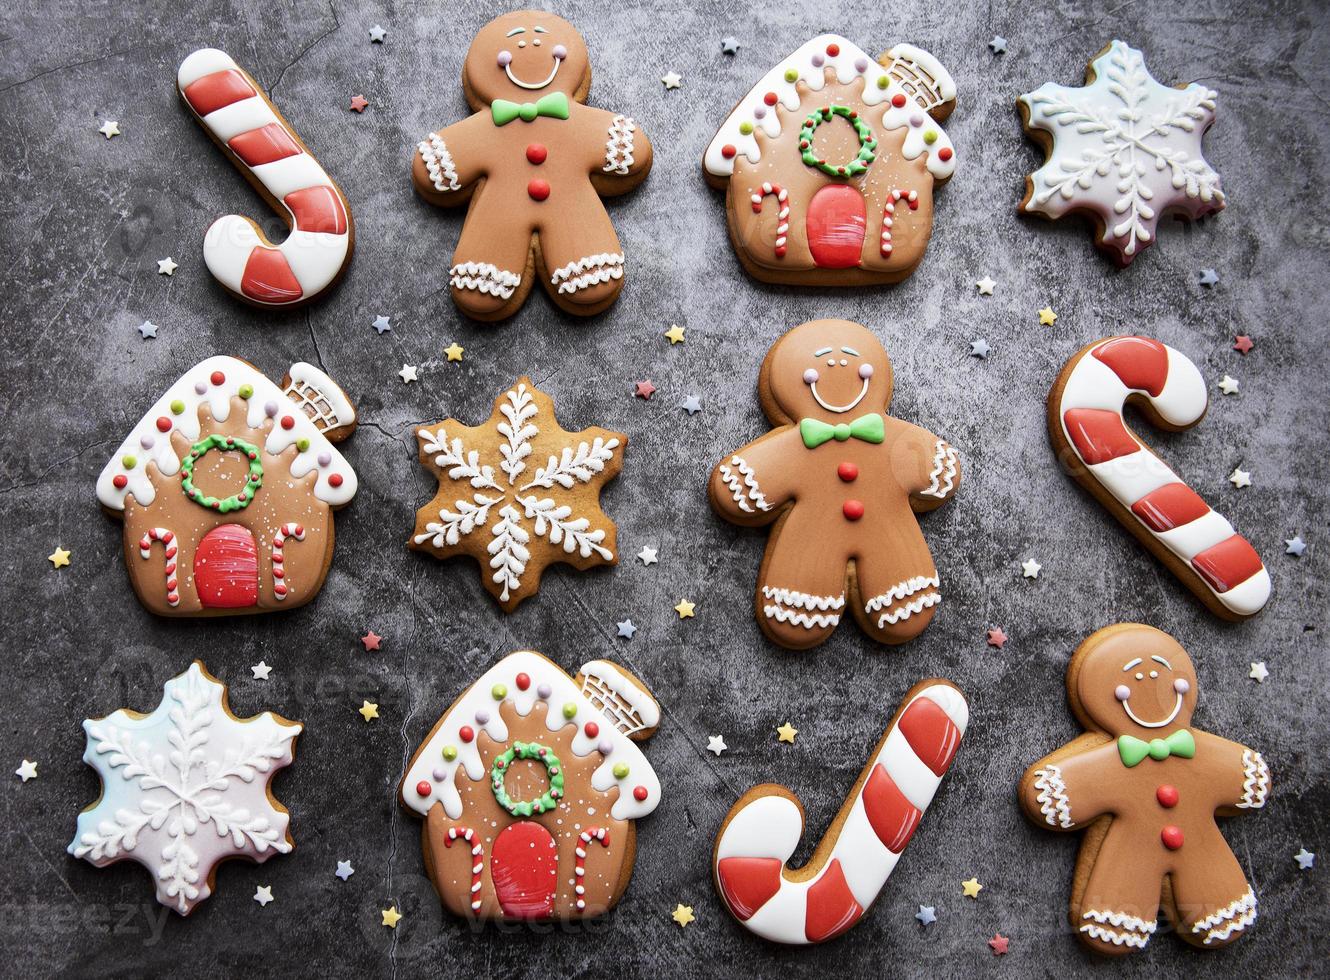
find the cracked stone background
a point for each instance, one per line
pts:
(84, 221)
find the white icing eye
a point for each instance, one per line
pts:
(560, 52)
(521, 44)
(536, 42)
(1154, 673)
(1122, 693)
(810, 376)
(505, 59)
(1140, 676)
(865, 371)
(831, 362)
(1181, 686)
(843, 362)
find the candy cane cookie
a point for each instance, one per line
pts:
(1102, 454)
(857, 855)
(240, 119)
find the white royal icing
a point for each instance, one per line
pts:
(484, 277)
(619, 146)
(942, 477)
(588, 271)
(1255, 781)
(1234, 917)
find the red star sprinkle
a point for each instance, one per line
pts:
(999, 943)
(371, 640)
(996, 637)
(358, 103)
(645, 389)
(1242, 343)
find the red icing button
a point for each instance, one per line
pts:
(1167, 796)
(536, 153)
(769, 98)
(217, 378)
(120, 482)
(853, 510)
(466, 733)
(728, 151)
(1172, 837)
(944, 154)
(538, 189)
(898, 100)
(288, 422)
(849, 473)
(523, 681)
(591, 729)
(833, 50)
(335, 480)
(640, 794)
(163, 424)
(423, 787)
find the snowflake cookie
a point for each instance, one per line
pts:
(185, 788)
(1123, 149)
(518, 493)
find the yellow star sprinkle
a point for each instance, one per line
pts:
(391, 917)
(59, 558)
(971, 888)
(369, 710)
(787, 732)
(454, 351)
(1047, 316)
(684, 609)
(675, 334)
(683, 914)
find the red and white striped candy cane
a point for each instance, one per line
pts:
(889, 211)
(228, 104)
(167, 538)
(477, 865)
(579, 867)
(782, 216)
(290, 530)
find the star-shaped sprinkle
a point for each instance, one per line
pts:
(1295, 546)
(674, 334)
(926, 915)
(980, 349)
(371, 640)
(786, 733)
(627, 628)
(263, 895)
(391, 917)
(148, 330)
(682, 914)
(26, 771)
(996, 638)
(684, 609)
(1242, 343)
(971, 888)
(1047, 317)
(110, 128)
(377, 34)
(729, 45)
(716, 744)
(671, 79)
(382, 324)
(644, 390)
(998, 45)
(58, 558)
(454, 351)
(1209, 277)
(166, 266)
(1228, 386)
(647, 555)
(344, 870)
(986, 285)
(408, 373)
(1031, 568)
(1259, 672)
(368, 710)
(261, 670)
(1305, 858)
(691, 404)
(1239, 477)
(999, 943)
(359, 103)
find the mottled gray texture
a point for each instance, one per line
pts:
(84, 221)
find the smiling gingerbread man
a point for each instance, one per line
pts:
(1146, 787)
(533, 162)
(843, 482)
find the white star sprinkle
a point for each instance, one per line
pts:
(110, 128)
(729, 45)
(1258, 672)
(261, 671)
(263, 895)
(1209, 277)
(381, 324)
(998, 46)
(980, 349)
(647, 555)
(344, 870)
(1228, 386)
(26, 771)
(408, 373)
(926, 915)
(377, 34)
(986, 285)
(1031, 568)
(1240, 478)
(716, 744)
(148, 330)
(627, 629)
(691, 404)
(671, 79)
(1305, 858)
(166, 266)
(1295, 546)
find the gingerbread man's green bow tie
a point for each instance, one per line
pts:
(554, 105)
(869, 428)
(1134, 750)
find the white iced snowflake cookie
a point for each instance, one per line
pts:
(1123, 149)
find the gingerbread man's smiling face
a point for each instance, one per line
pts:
(525, 55)
(1143, 689)
(831, 370)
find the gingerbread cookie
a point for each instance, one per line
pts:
(842, 482)
(518, 493)
(246, 126)
(852, 863)
(1095, 446)
(1123, 150)
(533, 164)
(185, 788)
(830, 161)
(529, 786)
(226, 489)
(1145, 786)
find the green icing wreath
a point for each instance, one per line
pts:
(237, 501)
(867, 142)
(553, 769)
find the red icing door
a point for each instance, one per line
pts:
(226, 568)
(836, 224)
(524, 868)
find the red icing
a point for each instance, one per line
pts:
(853, 509)
(944, 155)
(217, 378)
(640, 794)
(769, 98)
(747, 883)
(260, 146)
(836, 223)
(524, 862)
(894, 818)
(226, 568)
(1172, 837)
(423, 788)
(335, 480)
(1172, 505)
(728, 151)
(591, 728)
(1099, 435)
(215, 91)
(831, 906)
(466, 733)
(930, 733)
(120, 481)
(1140, 362)
(288, 422)
(536, 153)
(317, 209)
(1167, 796)
(1228, 563)
(163, 424)
(847, 472)
(898, 100)
(538, 189)
(833, 50)
(268, 277)
(523, 681)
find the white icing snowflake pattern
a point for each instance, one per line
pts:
(184, 788)
(1126, 148)
(508, 498)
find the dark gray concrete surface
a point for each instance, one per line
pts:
(84, 221)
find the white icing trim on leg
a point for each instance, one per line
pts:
(1140, 929)
(588, 271)
(1234, 917)
(1053, 802)
(787, 605)
(484, 277)
(901, 591)
(439, 163)
(1256, 781)
(745, 490)
(943, 474)
(619, 147)
(803, 600)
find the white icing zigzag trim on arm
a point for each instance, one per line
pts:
(1238, 915)
(588, 271)
(1053, 802)
(439, 163)
(1256, 781)
(484, 277)
(943, 474)
(746, 489)
(803, 600)
(619, 147)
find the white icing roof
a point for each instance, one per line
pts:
(547, 683)
(149, 443)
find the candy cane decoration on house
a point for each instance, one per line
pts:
(849, 868)
(167, 538)
(227, 102)
(1087, 429)
(579, 865)
(782, 215)
(289, 530)
(477, 859)
(889, 215)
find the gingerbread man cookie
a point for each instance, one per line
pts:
(533, 163)
(1146, 786)
(842, 481)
